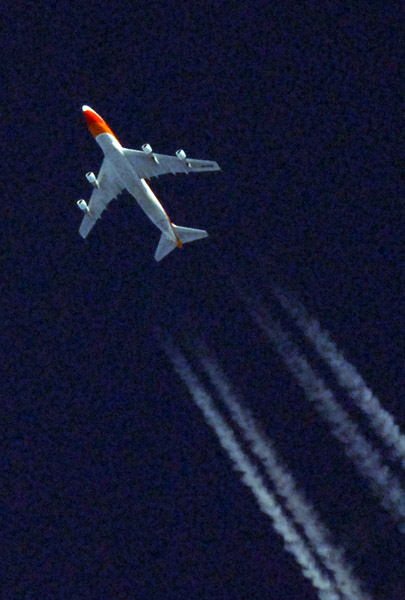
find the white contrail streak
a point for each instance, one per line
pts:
(303, 513)
(366, 458)
(346, 374)
(293, 542)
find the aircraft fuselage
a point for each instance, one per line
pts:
(136, 186)
(124, 168)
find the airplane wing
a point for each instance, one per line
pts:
(109, 189)
(153, 164)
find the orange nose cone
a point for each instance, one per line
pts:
(95, 123)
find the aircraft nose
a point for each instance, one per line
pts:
(95, 123)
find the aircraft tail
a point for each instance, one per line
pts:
(183, 235)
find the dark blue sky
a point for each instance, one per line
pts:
(116, 488)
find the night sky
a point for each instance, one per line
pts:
(115, 486)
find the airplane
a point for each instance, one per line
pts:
(123, 168)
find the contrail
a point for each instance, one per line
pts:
(346, 374)
(366, 458)
(293, 542)
(302, 512)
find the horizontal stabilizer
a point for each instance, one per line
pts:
(183, 235)
(187, 234)
(165, 246)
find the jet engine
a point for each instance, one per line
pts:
(180, 154)
(82, 204)
(147, 148)
(91, 178)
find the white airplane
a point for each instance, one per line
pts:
(127, 169)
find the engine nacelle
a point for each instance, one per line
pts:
(181, 154)
(82, 204)
(91, 178)
(147, 148)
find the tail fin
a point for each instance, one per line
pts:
(183, 235)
